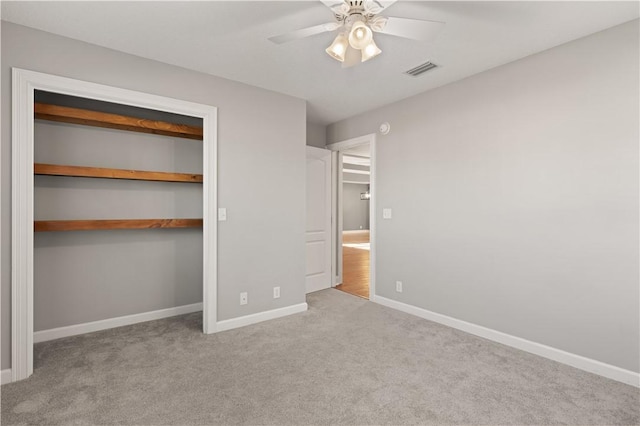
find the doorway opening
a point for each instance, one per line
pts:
(356, 241)
(354, 206)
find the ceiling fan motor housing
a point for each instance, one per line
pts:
(366, 11)
(353, 18)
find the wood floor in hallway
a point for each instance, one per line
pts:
(355, 263)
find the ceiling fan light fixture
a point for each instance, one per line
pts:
(357, 20)
(360, 35)
(371, 50)
(338, 48)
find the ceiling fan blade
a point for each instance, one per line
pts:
(351, 57)
(384, 3)
(411, 28)
(304, 32)
(331, 3)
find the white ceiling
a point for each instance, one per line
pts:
(229, 39)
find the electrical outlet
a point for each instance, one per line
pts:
(399, 286)
(276, 292)
(244, 298)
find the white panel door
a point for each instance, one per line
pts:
(318, 235)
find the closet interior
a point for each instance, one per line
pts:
(117, 209)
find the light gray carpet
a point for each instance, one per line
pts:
(345, 361)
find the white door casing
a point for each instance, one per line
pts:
(24, 84)
(338, 176)
(318, 230)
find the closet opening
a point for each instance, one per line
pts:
(113, 210)
(117, 215)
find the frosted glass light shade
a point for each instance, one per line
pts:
(371, 50)
(338, 48)
(360, 35)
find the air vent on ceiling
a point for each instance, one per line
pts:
(422, 68)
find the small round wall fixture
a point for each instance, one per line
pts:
(385, 128)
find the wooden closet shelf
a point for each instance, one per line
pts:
(114, 121)
(98, 172)
(105, 224)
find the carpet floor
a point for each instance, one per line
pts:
(344, 361)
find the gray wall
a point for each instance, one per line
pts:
(316, 135)
(261, 167)
(355, 212)
(515, 197)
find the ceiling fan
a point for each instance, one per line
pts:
(356, 21)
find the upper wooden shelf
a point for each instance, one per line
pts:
(114, 121)
(106, 224)
(98, 172)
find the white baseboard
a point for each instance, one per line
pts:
(577, 361)
(5, 376)
(260, 316)
(89, 327)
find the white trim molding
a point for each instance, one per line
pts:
(350, 143)
(5, 376)
(335, 280)
(261, 316)
(24, 84)
(22, 226)
(587, 364)
(90, 327)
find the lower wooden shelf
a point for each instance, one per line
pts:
(105, 224)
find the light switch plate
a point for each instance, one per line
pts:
(222, 214)
(386, 213)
